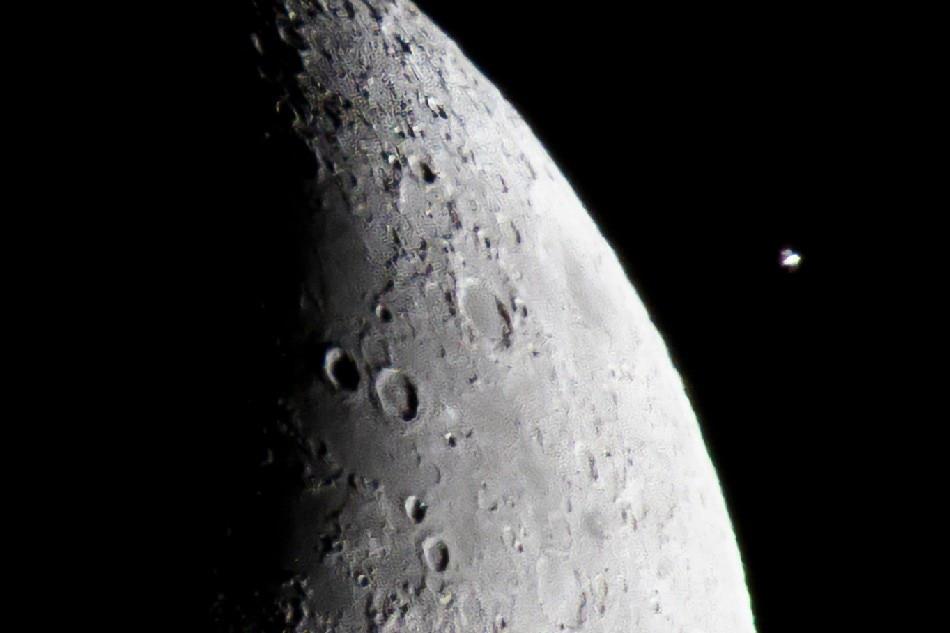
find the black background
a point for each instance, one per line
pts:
(703, 141)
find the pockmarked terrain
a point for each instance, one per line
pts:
(479, 428)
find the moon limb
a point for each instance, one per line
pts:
(576, 492)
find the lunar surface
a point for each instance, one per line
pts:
(481, 429)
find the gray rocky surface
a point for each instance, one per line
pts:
(485, 431)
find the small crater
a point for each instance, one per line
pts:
(450, 300)
(415, 509)
(516, 232)
(487, 313)
(453, 214)
(256, 41)
(592, 466)
(290, 35)
(427, 174)
(340, 369)
(373, 11)
(404, 45)
(383, 314)
(436, 554)
(506, 329)
(436, 107)
(397, 394)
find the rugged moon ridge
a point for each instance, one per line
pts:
(484, 430)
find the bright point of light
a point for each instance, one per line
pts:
(790, 259)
